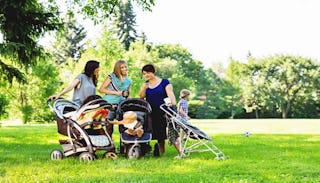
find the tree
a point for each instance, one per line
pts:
(100, 10)
(137, 56)
(22, 23)
(279, 81)
(4, 102)
(125, 24)
(69, 42)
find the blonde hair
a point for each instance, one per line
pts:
(184, 93)
(117, 68)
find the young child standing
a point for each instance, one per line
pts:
(183, 104)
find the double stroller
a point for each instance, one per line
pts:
(83, 127)
(194, 140)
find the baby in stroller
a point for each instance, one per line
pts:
(133, 127)
(135, 139)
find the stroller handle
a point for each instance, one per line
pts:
(168, 110)
(50, 100)
(49, 103)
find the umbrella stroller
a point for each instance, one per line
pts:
(83, 127)
(202, 143)
(133, 146)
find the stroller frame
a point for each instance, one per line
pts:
(76, 132)
(203, 142)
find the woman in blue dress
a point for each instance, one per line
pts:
(155, 90)
(116, 88)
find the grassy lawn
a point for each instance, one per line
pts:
(262, 157)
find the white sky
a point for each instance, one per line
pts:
(214, 30)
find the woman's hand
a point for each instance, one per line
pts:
(54, 97)
(125, 93)
(142, 92)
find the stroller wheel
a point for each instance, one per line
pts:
(156, 151)
(56, 155)
(134, 152)
(110, 155)
(86, 156)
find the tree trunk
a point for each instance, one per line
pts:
(286, 109)
(256, 113)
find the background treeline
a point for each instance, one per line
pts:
(276, 86)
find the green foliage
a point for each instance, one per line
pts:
(27, 101)
(137, 56)
(276, 82)
(125, 23)
(22, 23)
(4, 102)
(69, 42)
(27, 111)
(8, 73)
(44, 81)
(193, 109)
(100, 10)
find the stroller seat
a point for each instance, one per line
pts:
(126, 138)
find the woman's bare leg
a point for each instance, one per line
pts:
(162, 146)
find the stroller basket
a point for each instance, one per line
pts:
(201, 143)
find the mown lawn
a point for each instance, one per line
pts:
(25, 150)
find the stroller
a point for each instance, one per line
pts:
(85, 137)
(133, 146)
(202, 143)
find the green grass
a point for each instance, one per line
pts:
(25, 150)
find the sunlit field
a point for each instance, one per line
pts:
(277, 151)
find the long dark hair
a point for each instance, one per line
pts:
(91, 65)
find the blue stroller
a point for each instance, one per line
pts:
(133, 146)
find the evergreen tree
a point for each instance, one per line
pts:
(69, 42)
(22, 23)
(125, 24)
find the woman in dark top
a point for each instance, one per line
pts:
(155, 90)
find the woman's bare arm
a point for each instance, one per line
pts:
(169, 91)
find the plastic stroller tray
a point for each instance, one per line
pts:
(126, 138)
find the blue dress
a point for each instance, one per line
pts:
(155, 98)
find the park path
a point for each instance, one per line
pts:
(259, 126)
